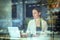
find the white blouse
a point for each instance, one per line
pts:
(32, 26)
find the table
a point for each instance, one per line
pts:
(41, 37)
(28, 38)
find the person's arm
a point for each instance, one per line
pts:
(31, 28)
(44, 27)
(28, 27)
(27, 31)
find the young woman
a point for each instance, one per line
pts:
(37, 24)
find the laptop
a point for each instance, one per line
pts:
(14, 32)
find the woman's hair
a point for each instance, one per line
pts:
(37, 9)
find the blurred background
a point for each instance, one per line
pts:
(17, 13)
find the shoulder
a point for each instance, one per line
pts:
(44, 23)
(43, 20)
(31, 21)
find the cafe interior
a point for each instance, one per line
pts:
(15, 15)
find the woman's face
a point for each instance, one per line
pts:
(35, 14)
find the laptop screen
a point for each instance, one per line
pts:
(14, 32)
